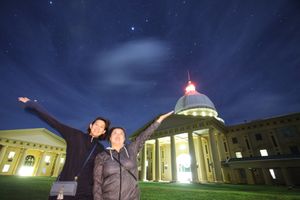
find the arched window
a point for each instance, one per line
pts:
(29, 160)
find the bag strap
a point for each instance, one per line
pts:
(122, 165)
(85, 162)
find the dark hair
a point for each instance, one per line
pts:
(112, 129)
(107, 123)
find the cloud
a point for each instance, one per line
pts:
(133, 63)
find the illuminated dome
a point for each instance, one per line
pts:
(196, 104)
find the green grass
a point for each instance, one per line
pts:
(35, 188)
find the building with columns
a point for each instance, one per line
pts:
(195, 145)
(31, 152)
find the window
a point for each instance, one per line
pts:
(258, 136)
(47, 160)
(29, 160)
(288, 132)
(294, 150)
(62, 160)
(11, 156)
(238, 154)
(234, 140)
(5, 168)
(263, 152)
(272, 173)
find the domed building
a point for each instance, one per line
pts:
(195, 145)
(196, 104)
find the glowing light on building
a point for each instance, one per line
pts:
(182, 147)
(184, 174)
(26, 171)
(190, 88)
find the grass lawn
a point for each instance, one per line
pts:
(35, 188)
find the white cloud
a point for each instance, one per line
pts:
(129, 63)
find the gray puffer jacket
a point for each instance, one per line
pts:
(113, 182)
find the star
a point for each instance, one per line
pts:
(132, 28)
(50, 2)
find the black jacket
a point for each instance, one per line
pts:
(79, 146)
(111, 181)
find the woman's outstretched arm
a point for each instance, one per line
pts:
(138, 144)
(36, 109)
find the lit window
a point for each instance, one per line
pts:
(272, 173)
(47, 159)
(62, 160)
(182, 147)
(263, 152)
(238, 154)
(203, 113)
(5, 168)
(11, 155)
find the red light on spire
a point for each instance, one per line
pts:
(190, 88)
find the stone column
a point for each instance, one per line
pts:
(202, 164)
(249, 175)
(143, 162)
(157, 160)
(20, 162)
(287, 177)
(267, 176)
(40, 164)
(2, 154)
(215, 157)
(195, 178)
(173, 159)
(220, 147)
(57, 165)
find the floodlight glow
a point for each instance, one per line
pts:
(26, 171)
(182, 147)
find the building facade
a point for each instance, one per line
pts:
(31, 152)
(195, 145)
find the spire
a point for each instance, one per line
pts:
(190, 88)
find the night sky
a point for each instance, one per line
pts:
(128, 60)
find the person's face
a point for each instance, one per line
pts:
(98, 128)
(117, 137)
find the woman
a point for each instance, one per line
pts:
(115, 171)
(79, 146)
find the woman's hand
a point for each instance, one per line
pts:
(164, 116)
(23, 99)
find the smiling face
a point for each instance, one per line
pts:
(117, 137)
(97, 128)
